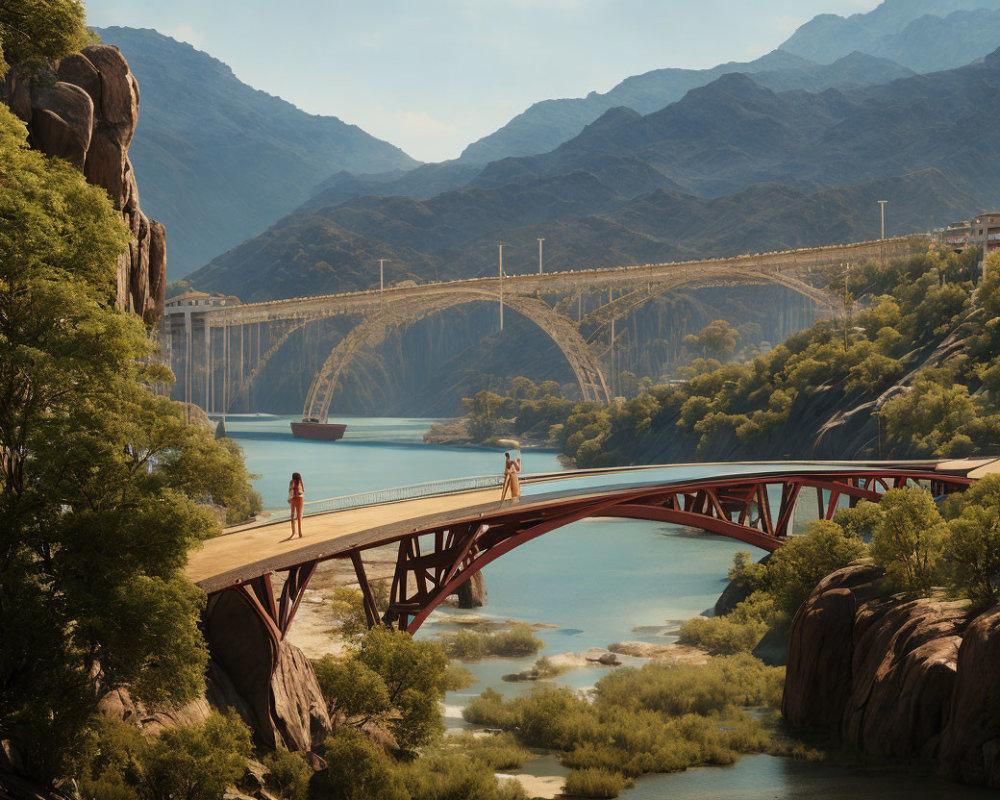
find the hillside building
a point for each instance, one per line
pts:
(985, 233)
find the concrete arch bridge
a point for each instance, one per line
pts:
(218, 351)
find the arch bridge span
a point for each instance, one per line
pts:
(234, 342)
(443, 538)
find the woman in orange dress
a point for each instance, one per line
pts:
(296, 499)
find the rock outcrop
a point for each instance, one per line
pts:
(897, 678)
(270, 683)
(85, 112)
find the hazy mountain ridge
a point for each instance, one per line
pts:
(901, 30)
(219, 161)
(549, 123)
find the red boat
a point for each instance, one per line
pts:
(314, 429)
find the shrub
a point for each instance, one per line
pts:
(908, 540)
(453, 777)
(472, 645)
(722, 635)
(197, 762)
(289, 774)
(357, 770)
(499, 752)
(594, 783)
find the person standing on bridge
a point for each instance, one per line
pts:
(511, 481)
(297, 500)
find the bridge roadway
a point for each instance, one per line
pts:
(470, 528)
(227, 363)
(785, 267)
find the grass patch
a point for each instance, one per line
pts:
(595, 783)
(519, 641)
(659, 718)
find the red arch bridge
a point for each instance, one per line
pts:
(446, 532)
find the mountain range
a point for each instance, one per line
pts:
(219, 161)
(898, 37)
(731, 167)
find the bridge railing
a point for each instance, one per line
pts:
(397, 493)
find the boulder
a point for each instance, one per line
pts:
(903, 674)
(119, 704)
(87, 116)
(898, 678)
(62, 120)
(970, 744)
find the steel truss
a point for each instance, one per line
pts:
(432, 562)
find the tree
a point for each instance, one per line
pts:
(391, 679)
(32, 31)
(795, 569)
(907, 541)
(197, 762)
(100, 480)
(718, 339)
(192, 762)
(972, 547)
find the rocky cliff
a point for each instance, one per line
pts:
(895, 678)
(85, 111)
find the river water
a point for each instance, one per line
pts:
(596, 581)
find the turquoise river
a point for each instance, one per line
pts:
(598, 581)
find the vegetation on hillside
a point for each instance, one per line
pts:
(953, 548)
(103, 488)
(912, 398)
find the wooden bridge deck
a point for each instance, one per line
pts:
(240, 556)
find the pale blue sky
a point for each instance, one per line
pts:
(433, 75)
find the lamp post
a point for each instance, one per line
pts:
(500, 247)
(540, 255)
(381, 280)
(882, 245)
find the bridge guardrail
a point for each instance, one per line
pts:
(394, 494)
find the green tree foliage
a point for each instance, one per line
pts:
(907, 541)
(100, 480)
(32, 31)
(775, 589)
(357, 770)
(391, 679)
(758, 409)
(348, 607)
(972, 547)
(195, 762)
(717, 339)
(288, 774)
(794, 570)
(528, 411)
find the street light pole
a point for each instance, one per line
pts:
(500, 247)
(381, 279)
(882, 207)
(540, 255)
